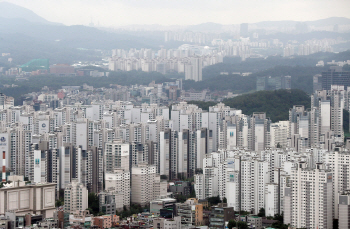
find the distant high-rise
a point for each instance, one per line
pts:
(335, 76)
(193, 71)
(197, 69)
(244, 30)
(273, 83)
(317, 82)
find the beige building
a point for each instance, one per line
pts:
(23, 199)
(75, 197)
(162, 223)
(80, 218)
(146, 184)
(118, 183)
(105, 221)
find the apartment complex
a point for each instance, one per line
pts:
(75, 197)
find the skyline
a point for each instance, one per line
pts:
(167, 13)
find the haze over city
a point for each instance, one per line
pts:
(112, 13)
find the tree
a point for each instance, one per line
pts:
(214, 200)
(59, 203)
(61, 194)
(244, 213)
(93, 203)
(134, 209)
(276, 104)
(193, 192)
(242, 225)
(278, 217)
(180, 198)
(261, 212)
(279, 225)
(224, 200)
(231, 224)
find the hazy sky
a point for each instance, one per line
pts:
(183, 12)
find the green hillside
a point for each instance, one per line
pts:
(276, 104)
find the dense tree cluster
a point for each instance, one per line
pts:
(214, 200)
(276, 104)
(93, 203)
(134, 209)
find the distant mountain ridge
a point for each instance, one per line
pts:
(286, 23)
(217, 27)
(27, 36)
(330, 21)
(322, 22)
(12, 11)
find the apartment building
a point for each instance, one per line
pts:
(146, 184)
(75, 197)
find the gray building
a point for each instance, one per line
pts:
(219, 215)
(107, 202)
(180, 187)
(335, 76)
(344, 210)
(253, 221)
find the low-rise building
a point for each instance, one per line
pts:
(161, 223)
(110, 201)
(191, 213)
(105, 221)
(219, 215)
(158, 204)
(80, 218)
(62, 218)
(180, 187)
(252, 221)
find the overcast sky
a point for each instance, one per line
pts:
(183, 12)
